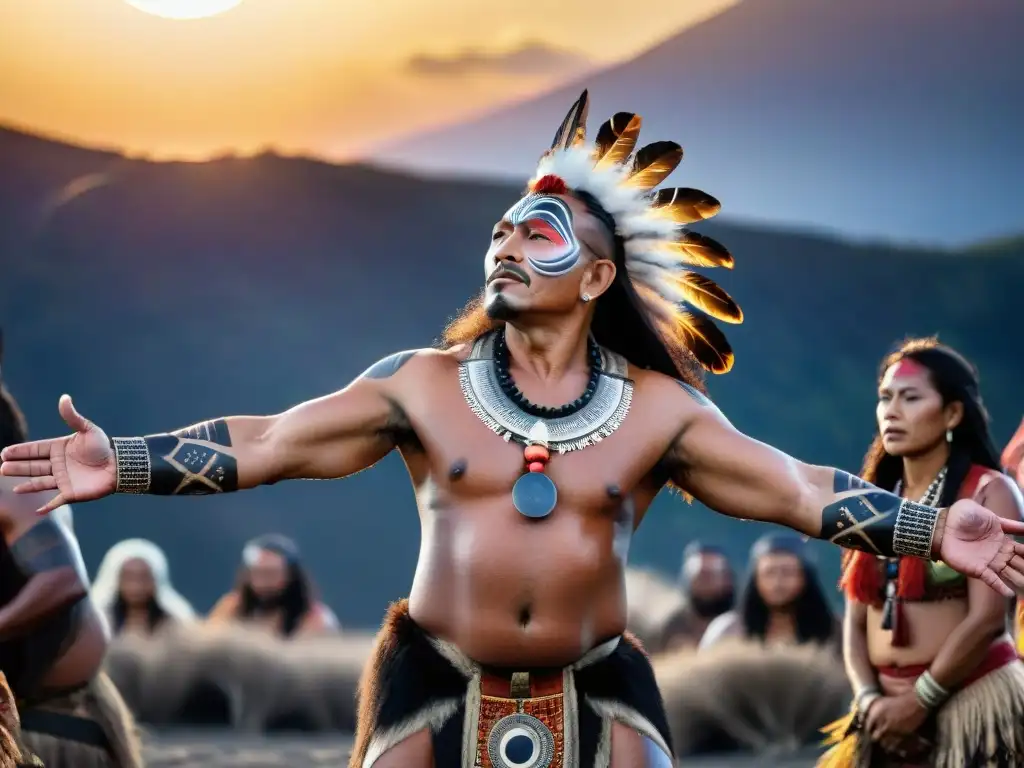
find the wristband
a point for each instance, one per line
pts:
(134, 472)
(914, 531)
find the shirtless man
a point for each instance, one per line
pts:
(511, 648)
(52, 638)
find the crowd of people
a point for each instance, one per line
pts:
(513, 648)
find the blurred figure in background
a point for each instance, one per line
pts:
(274, 592)
(133, 590)
(12, 753)
(1013, 456)
(708, 580)
(782, 602)
(935, 675)
(52, 638)
(1013, 462)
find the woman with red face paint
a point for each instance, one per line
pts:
(934, 670)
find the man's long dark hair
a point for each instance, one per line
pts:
(956, 380)
(620, 321)
(155, 615)
(812, 613)
(297, 599)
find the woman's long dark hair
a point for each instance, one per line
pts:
(813, 616)
(957, 382)
(295, 602)
(155, 615)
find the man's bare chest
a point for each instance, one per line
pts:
(455, 449)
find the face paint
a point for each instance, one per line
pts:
(908, 367)
(551, 217)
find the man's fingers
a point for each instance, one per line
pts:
(37, 484)
(1014, 527)
(39, 449)
(34, 468)
(54, 503)
(71, 416)
(1013, 573)
(991, 578)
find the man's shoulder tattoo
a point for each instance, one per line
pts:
(43, 547)
(696, 394)
(388, 366)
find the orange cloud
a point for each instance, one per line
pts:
(530, 58)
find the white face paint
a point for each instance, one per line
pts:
(552, 248)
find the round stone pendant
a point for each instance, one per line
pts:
(520, 741)
(534, 494)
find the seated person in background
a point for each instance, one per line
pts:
(709, 583)
(52, 637)
(274, 592)
(133, 589)
(12, 753)
(782, 601)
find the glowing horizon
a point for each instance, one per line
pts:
(313, 77)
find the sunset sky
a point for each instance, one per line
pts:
(326, 77)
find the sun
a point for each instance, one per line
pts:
(184, 9)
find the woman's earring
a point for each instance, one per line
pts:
(585, 297)
(949, 435)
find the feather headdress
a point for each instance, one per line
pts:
(650, 225)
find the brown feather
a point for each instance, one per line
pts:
(573, 129)
(684, 205)
(698, 250)
(695, 332)
(704, 339)
(653, 164)
(707, 296)
(616, 139)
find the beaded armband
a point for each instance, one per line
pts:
(871, 520)
(134, 472)
(914, 531)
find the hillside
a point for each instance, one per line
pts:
(171, 293)
(872, 118)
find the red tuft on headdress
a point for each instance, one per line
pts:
(550, 184)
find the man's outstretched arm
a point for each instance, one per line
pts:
(742, 477)
(332, 436)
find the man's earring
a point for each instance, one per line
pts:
(585, 297)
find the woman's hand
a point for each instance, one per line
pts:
(892, 718)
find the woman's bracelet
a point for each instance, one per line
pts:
(865, 696)
(929, 693)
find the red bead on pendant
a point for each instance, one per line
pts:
(534, 494)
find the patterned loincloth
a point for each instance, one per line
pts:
(484, 718)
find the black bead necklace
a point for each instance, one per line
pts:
(508, 386)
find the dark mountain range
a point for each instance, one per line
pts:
(163, 294)
(883, 119)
